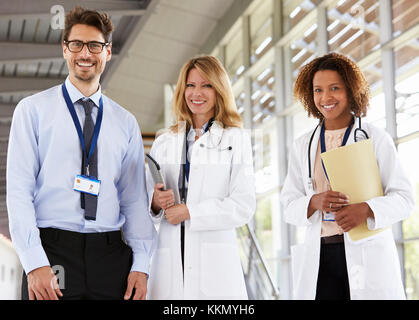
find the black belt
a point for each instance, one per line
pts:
(72, 236)
(332, 239)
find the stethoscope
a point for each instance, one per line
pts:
(321, 125)
(210, 137)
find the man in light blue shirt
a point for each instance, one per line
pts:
(48, 224)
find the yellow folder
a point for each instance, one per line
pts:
(353, 170)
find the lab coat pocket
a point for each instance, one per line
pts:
(221, 270)
(160, 284)
(381, 264)
(217, 178)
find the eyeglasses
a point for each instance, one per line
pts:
(76, 46)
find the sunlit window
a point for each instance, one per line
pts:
(234, 56)
(405, 15)
(260, 30)
(409, 155)
(353, 28)
(407, 88)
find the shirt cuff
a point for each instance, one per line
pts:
(33, 258)
(156, 215)
(141, 263)
(371, 223)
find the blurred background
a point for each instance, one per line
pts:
(262, 44)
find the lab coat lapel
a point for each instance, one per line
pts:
(313, 150)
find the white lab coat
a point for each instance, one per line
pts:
(372, 263)
(221, 196)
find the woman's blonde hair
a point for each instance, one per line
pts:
(212, 70)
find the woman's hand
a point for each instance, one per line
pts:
(329, 201)
(177, 214)
(353, 215)
(162, 199)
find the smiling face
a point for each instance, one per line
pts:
(331, 99)
(200, 98)
(85, 66)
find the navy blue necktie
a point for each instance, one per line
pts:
(88, 201)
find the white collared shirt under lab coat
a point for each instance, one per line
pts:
(221, 197)
(372, 263)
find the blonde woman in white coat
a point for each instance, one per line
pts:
(218, 190)
(329, 265)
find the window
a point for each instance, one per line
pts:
(295, 11)
(267, 219)
(234, 56)
(405, 15)
(260, 30)
(407, 89)
(240, 102)
(409, 153)
(303, 50)
(263, 101)
(353, 28)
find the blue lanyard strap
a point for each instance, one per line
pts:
(323, 143)
(96, 131)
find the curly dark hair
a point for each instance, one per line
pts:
(356, 86)
(79, 15)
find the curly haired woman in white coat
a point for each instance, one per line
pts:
(329, 265)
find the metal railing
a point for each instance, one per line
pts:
(259, 281)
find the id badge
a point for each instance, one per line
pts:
(328, 216)
(86, 185)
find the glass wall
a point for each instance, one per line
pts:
(409, 155)
(407, 89)
(405, 15)
(260, 30)
(234, 63)
(353, 27)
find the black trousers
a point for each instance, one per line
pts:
(332, 281)
(88, 266)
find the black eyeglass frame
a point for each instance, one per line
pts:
(104, 44)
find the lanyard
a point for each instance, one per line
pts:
(323, 143)
(96, 131)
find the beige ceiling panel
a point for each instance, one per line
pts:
(133, 84)
(147, 69)
(176, 24)
(213, 9)
(161, 48)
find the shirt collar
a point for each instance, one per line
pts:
(192, 133)
(76, 95)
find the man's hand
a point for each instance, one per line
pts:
(177, 213)
(137, 280)
(43, 284)
(353, 215)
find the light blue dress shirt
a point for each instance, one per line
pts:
(44, 156)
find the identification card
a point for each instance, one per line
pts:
(86, 185)
(328, 216)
